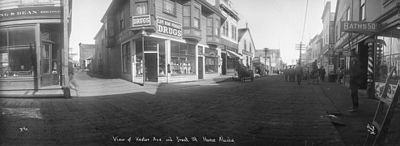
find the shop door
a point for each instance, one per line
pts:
(200, 64)
(223, 56)
(151, 67)
(46, 78)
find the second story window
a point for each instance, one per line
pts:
(233, 32)
(209, 26)
(225, 29)
(169, 7)
(245, 45)
(196, 18)
(362, 10)
(216, 27)
(348, 13)
(121, 21)
(186, 15)
(141, 8)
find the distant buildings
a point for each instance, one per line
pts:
(86, 52)
(270, 58)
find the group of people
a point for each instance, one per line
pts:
(293, 73)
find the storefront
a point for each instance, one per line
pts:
(30, 48)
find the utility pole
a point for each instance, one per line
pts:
(265, 57)
(300, 48)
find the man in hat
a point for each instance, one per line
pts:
(355, 80)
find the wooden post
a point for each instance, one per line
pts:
(65, 51)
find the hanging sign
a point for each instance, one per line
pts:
(358, 27)
(168, 27)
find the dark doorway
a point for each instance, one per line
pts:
(46, 64)
(200, 64)
(151, 67)
(363, 57)
(224, 57)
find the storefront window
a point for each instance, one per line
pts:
(183, 59)
(17, 50)
(126, 58)
(161, 64)
(139, 59)
(211, 64)
(387, 57)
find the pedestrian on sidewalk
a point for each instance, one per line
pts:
(322, 73)
(299, 73)
(340, 75)
(355, 80)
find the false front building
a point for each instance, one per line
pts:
(160, 40)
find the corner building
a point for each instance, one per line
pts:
(31, 42)
(174, 40)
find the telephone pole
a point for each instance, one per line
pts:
(300, 48)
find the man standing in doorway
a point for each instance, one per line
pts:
(355, 79)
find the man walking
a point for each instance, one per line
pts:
(322, 73)
(299, 73)
(355, 79)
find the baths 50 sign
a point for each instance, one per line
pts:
(168, 27)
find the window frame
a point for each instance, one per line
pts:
(198, 17)
(142, 3)
(363, 11)
(174, 7)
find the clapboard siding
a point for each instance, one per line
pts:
(159, 11)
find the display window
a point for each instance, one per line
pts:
(387, 57)
(17, 51)
(211, 57)
(183, 59)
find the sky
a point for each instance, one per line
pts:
(274, 24)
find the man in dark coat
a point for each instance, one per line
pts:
(355, 79)
(322, 73)
(299, 73)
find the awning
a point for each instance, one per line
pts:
(234, 54)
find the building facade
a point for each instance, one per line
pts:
(167, 40)
(328, 38)
(246, 46)
(376, 59)
(86, 52)
(31, 42)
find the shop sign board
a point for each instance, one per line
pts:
(358, 27)
(30, 13)
(169, 27)
(141, 21)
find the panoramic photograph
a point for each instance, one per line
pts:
(199, 72)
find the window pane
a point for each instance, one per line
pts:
(169, 6)
(162, 69)
(186, 10)
(21, 36)
(141, 8)
(196, 23)
(186, 21)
